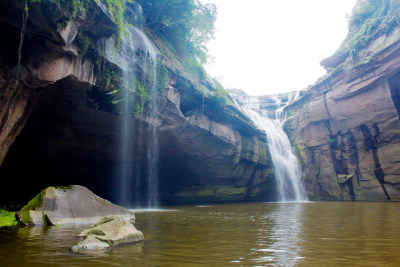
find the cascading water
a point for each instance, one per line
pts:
(137, 58)
(286, 166)
(152, 147)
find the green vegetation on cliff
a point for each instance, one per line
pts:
(185, 26)
(370, 19)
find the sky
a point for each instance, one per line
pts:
(275, 46)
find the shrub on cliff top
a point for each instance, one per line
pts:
(371, 19)
(186, 24)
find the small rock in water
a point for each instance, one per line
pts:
(108, 232)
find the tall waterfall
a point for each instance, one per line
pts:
(286, 166)
(137, 174)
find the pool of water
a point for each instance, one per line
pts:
(267, 234)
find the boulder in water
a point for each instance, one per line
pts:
(69, 205)
(108, 232)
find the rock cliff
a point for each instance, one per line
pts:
(346, 127)
(58, 125)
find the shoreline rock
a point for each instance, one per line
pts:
(69, 205)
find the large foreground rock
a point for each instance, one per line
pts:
(108, 232)
(69, 205)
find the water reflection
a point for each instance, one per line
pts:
(282, 243)
(269, 234)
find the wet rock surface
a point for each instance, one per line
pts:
(108, 232)
(70, 205)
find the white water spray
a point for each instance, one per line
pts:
(286, 166)
(131, 171)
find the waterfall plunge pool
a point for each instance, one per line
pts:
(260, 234)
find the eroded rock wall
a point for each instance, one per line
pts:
(56, 127)
(347, 129)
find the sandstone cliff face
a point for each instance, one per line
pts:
(347, 127)
(56, 129)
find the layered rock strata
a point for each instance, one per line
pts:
(57, 122)
(346, 127)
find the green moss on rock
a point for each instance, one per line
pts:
(103, 221)
(205, 193)
(7, 218)
(96, 232)
(342, 178)
(231, 191)
(36, 202)
(25, 217)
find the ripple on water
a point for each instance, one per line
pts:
(310, 234)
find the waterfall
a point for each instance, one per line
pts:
(286, 166)
(152, 146)
(137, 173)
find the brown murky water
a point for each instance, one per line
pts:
(271, 234)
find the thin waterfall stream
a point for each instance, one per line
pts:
(138, 185)
(287, 170)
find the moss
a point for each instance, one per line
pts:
(332, 142)
(36, 202)
(229, 191)
(64, 188)
(205, 193)
(342, 178)
(162, 76)
(25, 217)
(110, 243)
(45, 219)
(7, 218)
(103, 221)
(96, 232)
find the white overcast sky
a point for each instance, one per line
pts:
(275, 46)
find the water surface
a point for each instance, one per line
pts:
(269, 234)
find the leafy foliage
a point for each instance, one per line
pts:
(116, 8)
(186, 24)
(221, 95)
(84, 43)
(162, 76)
(371, 19)
(193, 66)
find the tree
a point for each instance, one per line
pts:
(186, 24)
